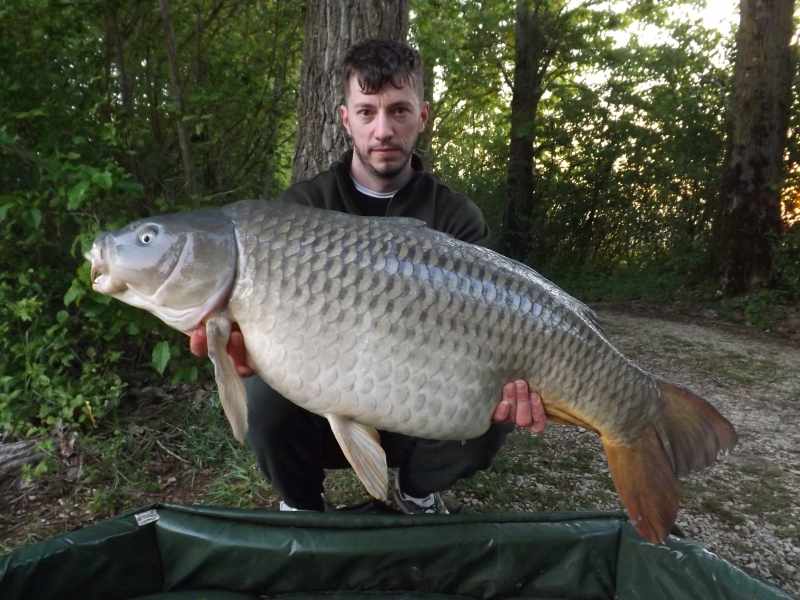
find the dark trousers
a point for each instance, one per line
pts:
(293, 447)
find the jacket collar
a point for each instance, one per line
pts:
(341, 170)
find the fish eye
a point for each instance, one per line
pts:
(148, 234)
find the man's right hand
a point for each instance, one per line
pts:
(519, 406)
(198, 345)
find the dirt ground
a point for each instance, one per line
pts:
(745, 508)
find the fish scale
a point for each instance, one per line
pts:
(476, 306)
(382, 323)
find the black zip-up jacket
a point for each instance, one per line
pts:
(424, 197)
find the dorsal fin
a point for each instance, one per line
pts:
(403, 222)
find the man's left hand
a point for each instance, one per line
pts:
(520, 406)
(198, 345)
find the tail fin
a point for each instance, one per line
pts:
(689, 435)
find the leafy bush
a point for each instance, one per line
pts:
(787, 263)
(63, 346)
(88, 131)
(50, 372)
(646, 279)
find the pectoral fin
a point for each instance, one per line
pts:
(229, 384)
(361, 446)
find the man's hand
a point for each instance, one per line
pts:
(521, 407)
(198, 344)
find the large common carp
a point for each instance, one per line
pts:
(383, 323)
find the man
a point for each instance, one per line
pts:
(383, 113)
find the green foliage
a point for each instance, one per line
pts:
(633, 181)
(88, 143)
(786, 260)
(628, 136)
(46, 376)
(653, 283)
(467, 49)
(56, 362)
(161, 356)
(134, 455)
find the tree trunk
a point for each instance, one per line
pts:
(177, 98)
(331, 27)
(532, 54)
(117, 40)
(749, 214)
(425, 141)
(156, 179)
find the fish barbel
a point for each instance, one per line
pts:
(386, 324)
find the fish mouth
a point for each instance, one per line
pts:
(100, 272)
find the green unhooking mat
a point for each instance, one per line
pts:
(173, 552)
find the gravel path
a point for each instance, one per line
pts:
(747, 507)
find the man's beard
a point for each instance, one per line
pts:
(386, 173)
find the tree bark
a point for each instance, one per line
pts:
(748, 214)
(117, 40)
(177, 99)
(425, 141)
(533, 53)
(331, 27)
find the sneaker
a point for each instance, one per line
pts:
(286, 508)
(429, 505)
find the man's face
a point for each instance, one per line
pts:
(384, 128)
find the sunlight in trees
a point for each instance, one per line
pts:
(790, 198)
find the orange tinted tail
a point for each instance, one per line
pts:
(689, 435)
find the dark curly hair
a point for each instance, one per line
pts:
(377, 63)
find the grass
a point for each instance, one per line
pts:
(30, 534)
(719, 504)
(177, 447)
(768, 494)
(580, 460)
(238, 487)
(551, 472)
(745, 369)
(670, 342)
(788, 531)
(342, 487)
(732, 365)
(728, 364)
(159, 448)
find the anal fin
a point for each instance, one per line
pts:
(361, 445)
(554, 413)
